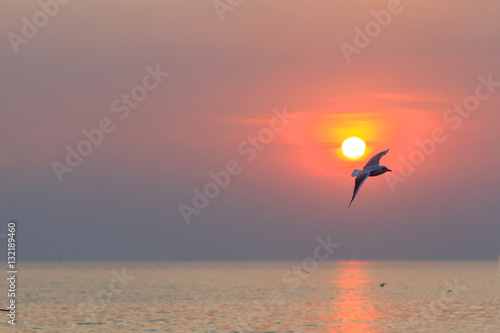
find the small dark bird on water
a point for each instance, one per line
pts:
(383, 284)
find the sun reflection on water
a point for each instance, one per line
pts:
(356, 309)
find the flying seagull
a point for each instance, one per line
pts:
(371, 169)
(382, 284)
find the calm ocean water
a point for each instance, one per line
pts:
(257, 297)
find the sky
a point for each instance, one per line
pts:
(116, 115)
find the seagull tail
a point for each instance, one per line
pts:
(355, 172)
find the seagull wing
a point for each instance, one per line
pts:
(360, 179)
(375, 160)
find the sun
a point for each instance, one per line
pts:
(353, 147)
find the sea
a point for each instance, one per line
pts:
(330, 296)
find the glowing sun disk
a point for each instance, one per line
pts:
(353, 147)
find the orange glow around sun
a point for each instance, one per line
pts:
(320, 138)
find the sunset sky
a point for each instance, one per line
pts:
(230, 72)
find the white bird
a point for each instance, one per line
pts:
(371, 169)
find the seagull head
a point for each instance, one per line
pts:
(385, 169)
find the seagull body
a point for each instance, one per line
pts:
(371, 169)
